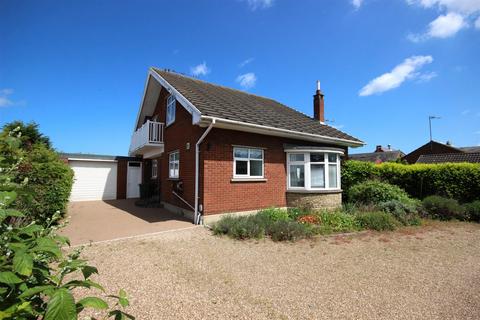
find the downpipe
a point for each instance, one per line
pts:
(197, 216)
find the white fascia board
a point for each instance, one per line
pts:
(196, 114)
(272, 131)
(91, 160)
(313, 150)
(141, 102)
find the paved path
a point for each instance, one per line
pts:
(94, 221)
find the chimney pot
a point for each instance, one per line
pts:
(318, 105)
(379, 148)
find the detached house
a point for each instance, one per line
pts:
(215, 150)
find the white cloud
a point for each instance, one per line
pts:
(357, 3)
(245, 62)
(5, 101)
(477, 23)
(247, 80)
(200, 70)
(425, 77)
(259, 4)
(393, 79)
(458, 14)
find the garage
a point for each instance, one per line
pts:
(100, 177)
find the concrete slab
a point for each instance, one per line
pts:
(93, 221)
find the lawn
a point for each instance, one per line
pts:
(428, 272)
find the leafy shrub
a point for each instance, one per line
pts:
(374, 192)
(337, 221)
(406, 212)
(269, 222)
(379, 221)
(275, 214)
(289, 231)
(473, 210)
(49, 184)
(460, 181)
(442, 208)
(36, 277)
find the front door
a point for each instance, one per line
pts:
(134, 178)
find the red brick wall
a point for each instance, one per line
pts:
(122, 179)
(176, 137)
(221, 194)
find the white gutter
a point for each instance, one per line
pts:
(196, 214)
(290, 133)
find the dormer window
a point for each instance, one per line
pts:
(171, 110)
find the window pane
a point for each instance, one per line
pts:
(256, 154)
(332, 157)
(317, 157)
(241, 167)
(256, 168)
(241, 153)
(297, 175)
(317, 172)
(177, 156)
(297, 157)
(332, 176)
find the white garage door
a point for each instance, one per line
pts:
(94, 180)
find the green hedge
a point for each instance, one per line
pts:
(460, 181)
(49, 184)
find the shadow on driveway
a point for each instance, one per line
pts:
(92, 221)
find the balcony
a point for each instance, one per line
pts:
(147, 140)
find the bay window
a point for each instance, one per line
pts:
(247, 163)
(315, 170)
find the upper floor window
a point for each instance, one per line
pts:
(313, 170)
(174, 165)
(171, 110)
(247, 163)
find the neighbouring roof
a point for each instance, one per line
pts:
(382, 156)
(226, 103)
(89, 156)
(470, 149)
(473, 157)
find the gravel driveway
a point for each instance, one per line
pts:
(427, 273)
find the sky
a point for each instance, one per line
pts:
(78, 68)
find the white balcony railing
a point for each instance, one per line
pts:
(150, 134)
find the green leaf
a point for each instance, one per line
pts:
(48, 245)
(31, 229)
(61, 306)
(9, 278)
(123, 298)
(62, 239)
(23, 263)
(10, 213)
(7, 197)
(87, 271)
(93, 302)
(85, 284)
(120, 315)
(35, 290)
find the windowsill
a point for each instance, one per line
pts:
(173, 179)
(324, 191)
(248, 180)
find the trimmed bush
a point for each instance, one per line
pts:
(379, 221)
(374, 192)
(473, 210)
(442, 208)
(406, 212)
(460, 181)
(289, 231)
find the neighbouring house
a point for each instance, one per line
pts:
(214, 150)
(431, 153)
(381, 154)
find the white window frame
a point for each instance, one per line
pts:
(248, 159)
(154, 168)
(171, 109)
(307, 172)
(172, 163)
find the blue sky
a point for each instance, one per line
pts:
(78, 67)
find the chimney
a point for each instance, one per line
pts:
(379, 148)
(318, 105)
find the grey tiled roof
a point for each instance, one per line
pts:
(383, 156)
(473, 157)
(226, 103)
(470, 149)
